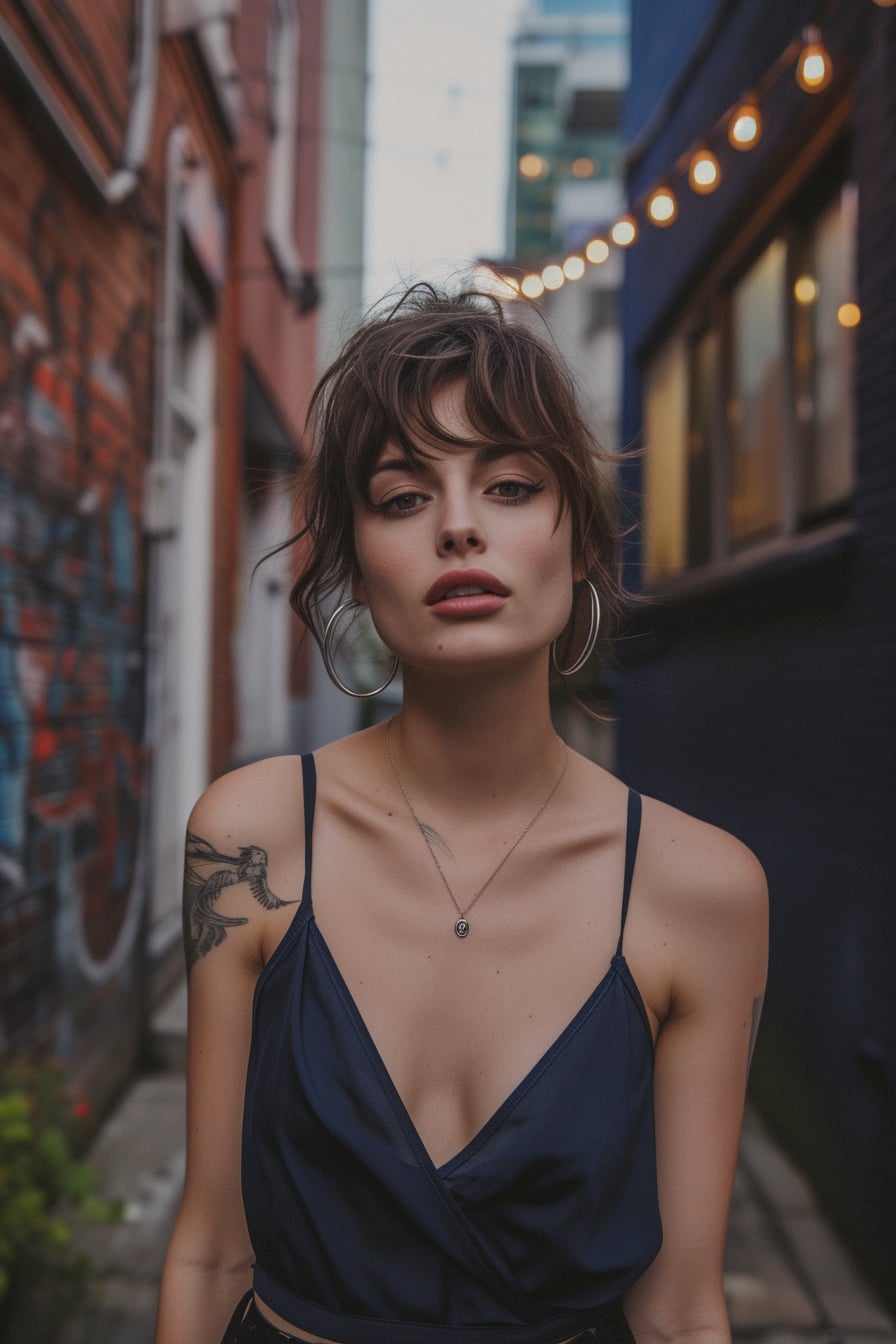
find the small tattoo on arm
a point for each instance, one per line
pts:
(754, 1027)
(206, 873)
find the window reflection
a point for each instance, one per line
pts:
(757, 410)
(823, 359)
(749, 403)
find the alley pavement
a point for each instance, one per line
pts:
(788, 1278)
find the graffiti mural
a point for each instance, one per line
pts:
(74, 423)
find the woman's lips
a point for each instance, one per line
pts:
(468, 592)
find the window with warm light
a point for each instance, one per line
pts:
(757, 404)
(703, 368)
(748, 405)
(823, 352)
(665, 496)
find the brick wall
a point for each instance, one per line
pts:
(78, 293)
(83, 49)
(75, 344)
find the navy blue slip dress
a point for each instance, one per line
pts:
(526, 1236)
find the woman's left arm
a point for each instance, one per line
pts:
(709, 920)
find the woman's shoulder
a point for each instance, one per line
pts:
(701, 906)
(251, 804)
(265, 797)
(244, 863)
(696, 867)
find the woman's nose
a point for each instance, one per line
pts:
(459, 534)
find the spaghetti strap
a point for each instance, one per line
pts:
(309, 796)
(632, 831)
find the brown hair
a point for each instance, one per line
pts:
(518, 393)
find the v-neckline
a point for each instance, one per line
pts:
(529, 1079)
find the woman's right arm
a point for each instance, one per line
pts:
(209, 1259)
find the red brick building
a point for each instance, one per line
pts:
(159, 216)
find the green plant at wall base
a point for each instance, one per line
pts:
(44, 1190)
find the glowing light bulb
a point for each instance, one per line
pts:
(597, 251)
(533, 166)
(805, 289)
(624, 231)
(489, 281)
(745, 125)
(704, 173)
(532, 286)
(552, 276)
(814, 70)
(662, 207)
(574, 268)
(849, 314)
(583, 167)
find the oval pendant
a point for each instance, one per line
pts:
(461, 928)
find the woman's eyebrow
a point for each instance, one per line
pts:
(396, 464)
(493, 452)
(485, 454)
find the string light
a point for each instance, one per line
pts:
(814, 69)
(490, 281)
(662, 207)
(849, 314)
(885, 4)
(704, 173)
(624, 231)
(805, 289)
(533, 166)
(745, 124)
(814, 72)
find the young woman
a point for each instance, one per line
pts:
(469, 1025)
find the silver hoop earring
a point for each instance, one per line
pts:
(590, 638)
(327, 654)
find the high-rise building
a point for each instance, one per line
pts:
(570, 70)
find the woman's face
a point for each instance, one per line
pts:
(463, 560)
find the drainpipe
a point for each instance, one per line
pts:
(161, 518)
(119, 184)
(143, 74)
(177, 153)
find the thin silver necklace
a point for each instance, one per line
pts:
(462, 924)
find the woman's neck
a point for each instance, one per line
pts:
(473, 739)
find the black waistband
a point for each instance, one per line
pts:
(248, 1326)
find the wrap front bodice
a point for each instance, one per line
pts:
(543, 1219)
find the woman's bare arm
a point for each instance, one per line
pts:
(233, 852)
(708, 928)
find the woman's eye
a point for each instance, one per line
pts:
(402, 503)
(515, 491)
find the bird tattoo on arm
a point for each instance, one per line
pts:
(206, 873)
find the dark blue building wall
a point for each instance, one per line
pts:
(748, 39)
(766, 703)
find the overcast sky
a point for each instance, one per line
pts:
(438, 133)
